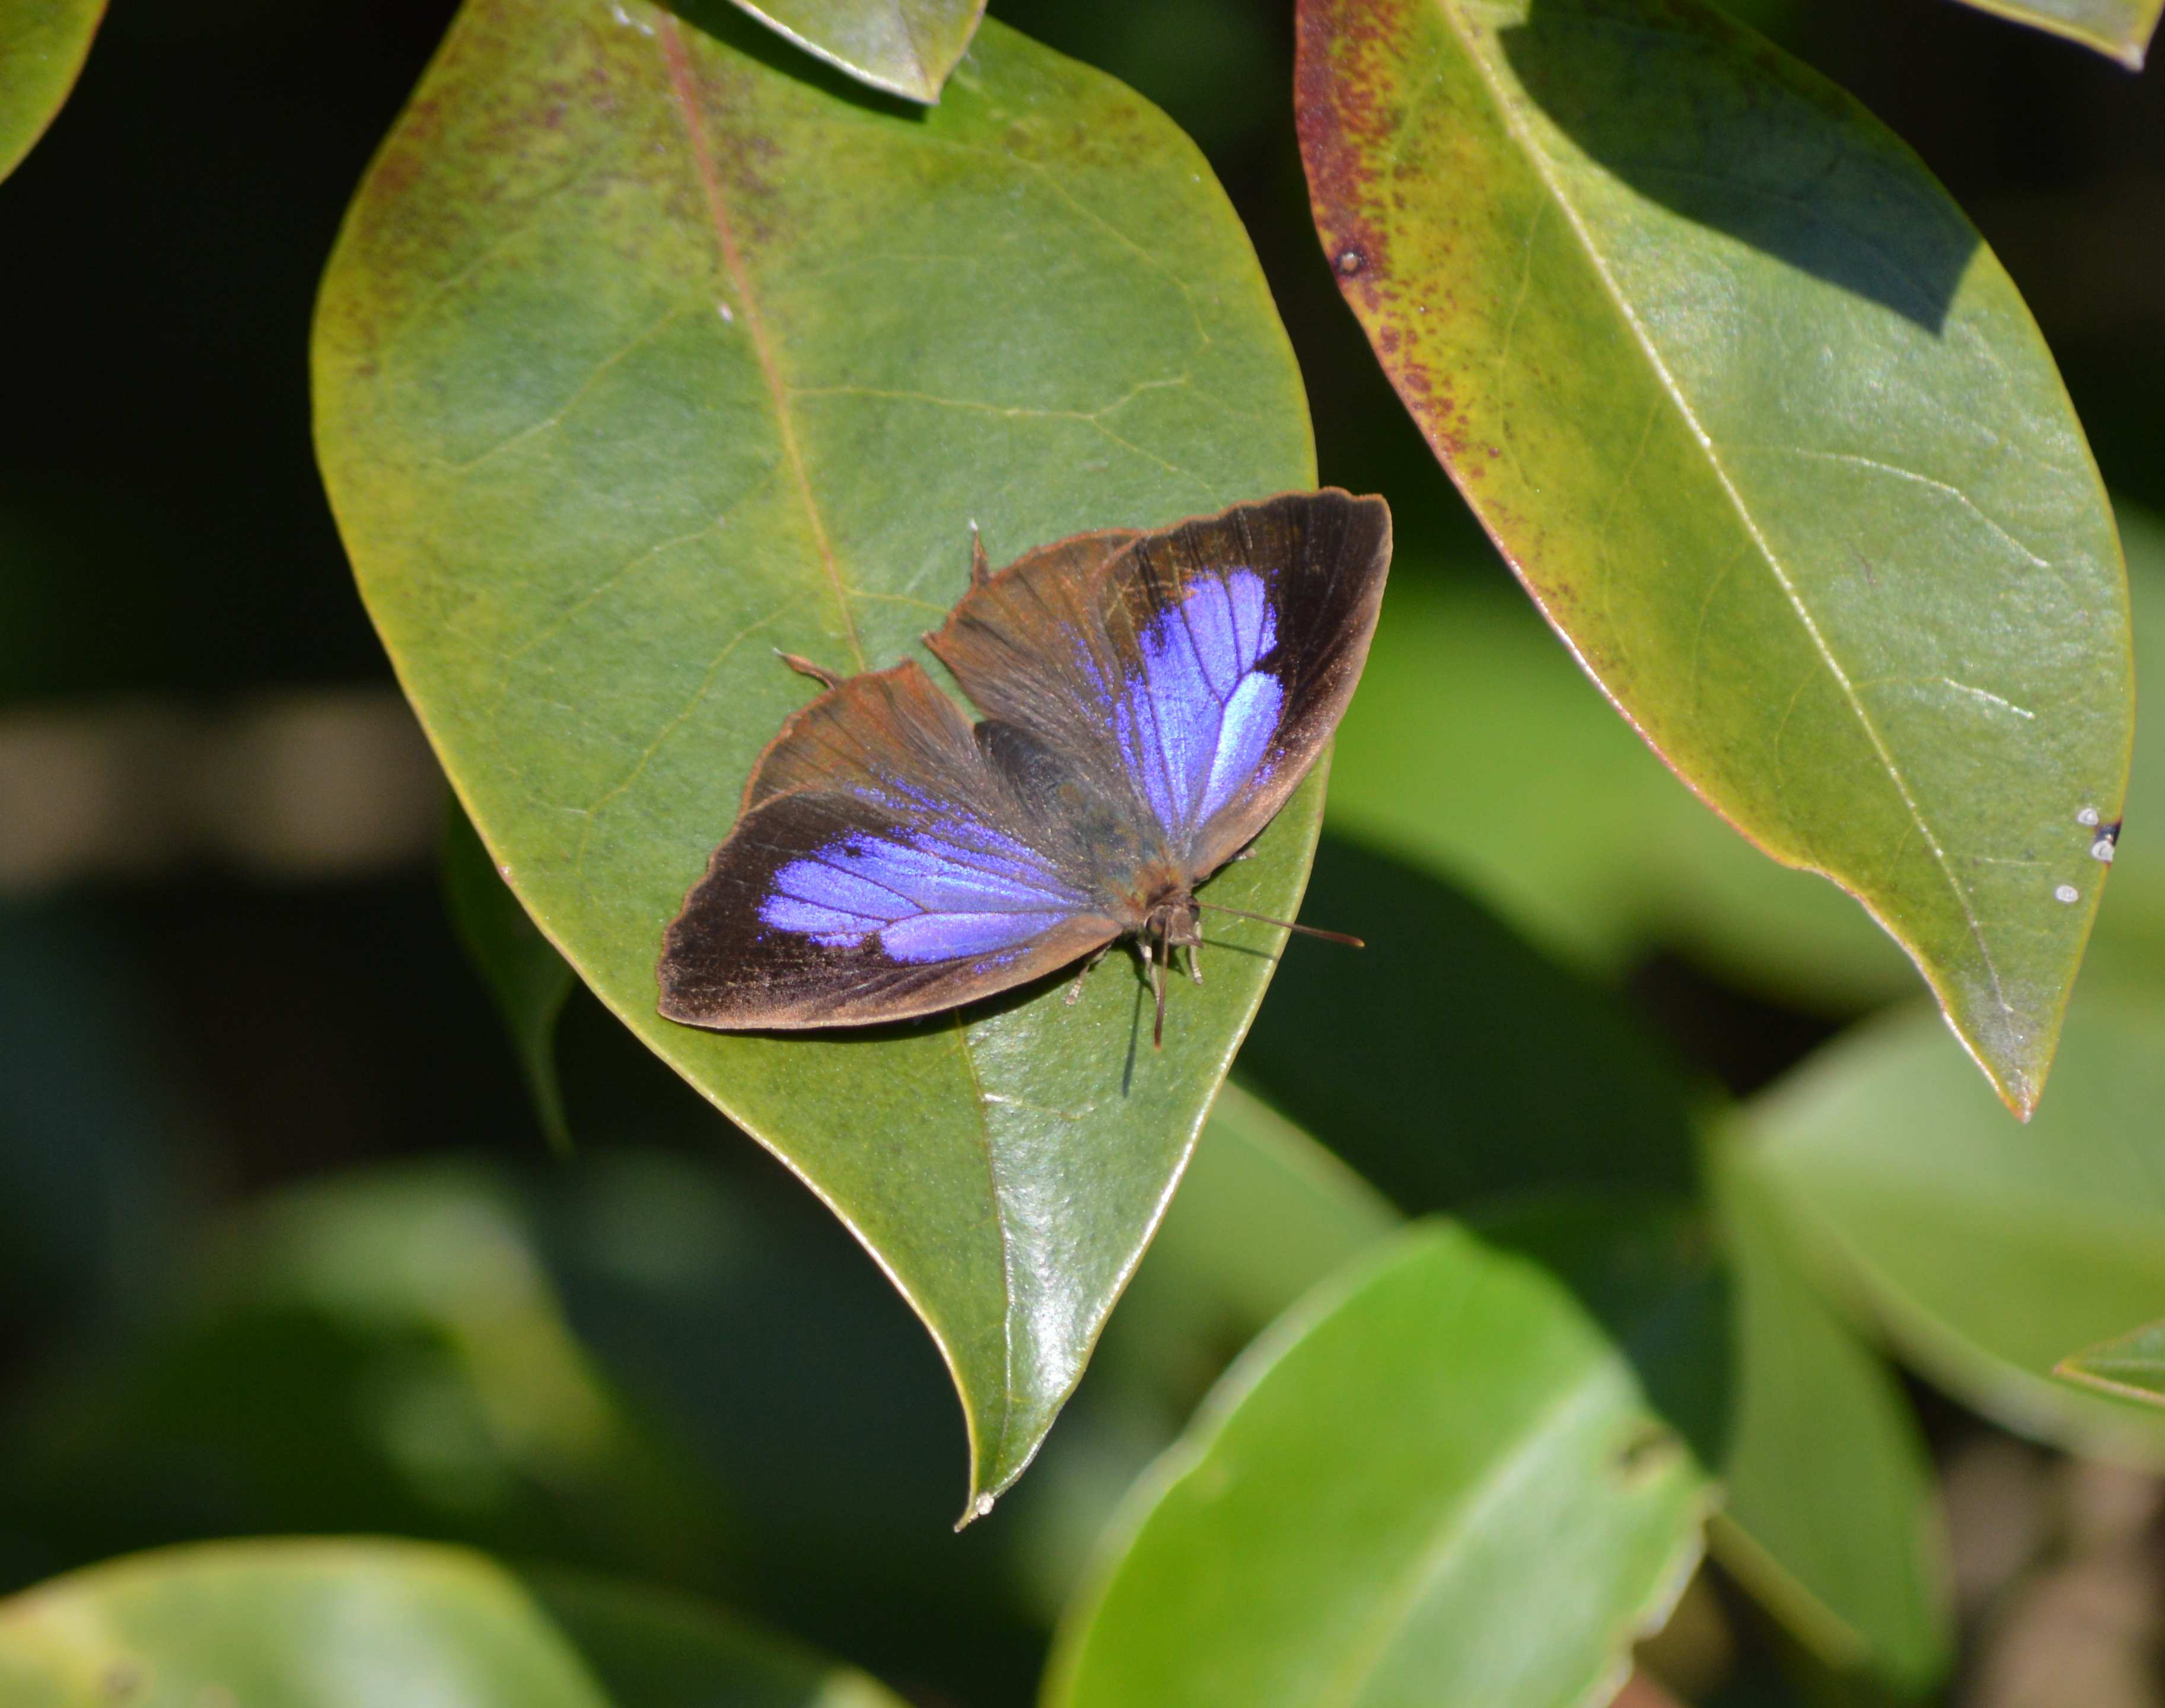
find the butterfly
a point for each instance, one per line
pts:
(1151, 700)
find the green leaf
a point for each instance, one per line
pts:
(1770, 437)
(2131, 1367)
(1528, 789)
(639, 358)
(1448, 1060)
(1828, 1511)
(1832, 1516)
(905, 47)
(1436, 1481)
(43, 44)
(524, 974)
(2131, 929)
(2119, 28)
(1986, 1250)
(385, 1624)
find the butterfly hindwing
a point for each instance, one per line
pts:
(884, 865)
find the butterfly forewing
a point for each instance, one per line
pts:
(1152, 701)
(1197, 671)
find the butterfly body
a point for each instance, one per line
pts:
(1151, 700)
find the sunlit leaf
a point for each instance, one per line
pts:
(639, 358)
(906, 47)
(2131, 1367)
(386, 1624)
(2120, 28)
(524, 974)
(1984, 1250)
(1769, 435)
(43, 44)
(1436, 1481)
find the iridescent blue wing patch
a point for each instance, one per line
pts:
(1198, 671)
(1151, 699)
(882, 867)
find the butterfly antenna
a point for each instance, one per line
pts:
(1287, 925)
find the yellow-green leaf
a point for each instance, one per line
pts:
(640, 357)
(1767, 432)
(2119, 28)
(386, 1624)
(906, 47)
(43, 44)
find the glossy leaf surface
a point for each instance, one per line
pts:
(528, 978)
(1435, 1482)
(385, 1624)
(2121, 28)
(1769, 435)
(640, 358)
(1984, 1250)
(2131, 1367)
(905, 47)
(43, 44)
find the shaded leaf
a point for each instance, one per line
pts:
(1448, 1060)
(1770, 437)
(386, 1624)
(1436, 1481)
(524, 974)
(638, 359)
(43, 44)
(2130, 1368)
(1986, 1250)
(2119, 28)
(905, 47)
(1832, 1512)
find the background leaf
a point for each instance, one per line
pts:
(1831, 1514)
(1984, 1250)
(1436, 1480)
(905, 47)
(386, 1624)
(1770, 437)
(2131, 1367)
(2121, 28)
(619, 392)
(43, 44)
(528, 978)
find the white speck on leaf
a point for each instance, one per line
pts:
(2067, 892)
(2088, 815)
(2103, 849)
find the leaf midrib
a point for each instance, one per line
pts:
(685, 90)
(1467, 36)
(1453, 1526)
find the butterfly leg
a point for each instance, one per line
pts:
(804, 667)
(1083, 972)
(1155, 963)
(1195, 961)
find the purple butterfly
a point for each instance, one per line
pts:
(1150, 701)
